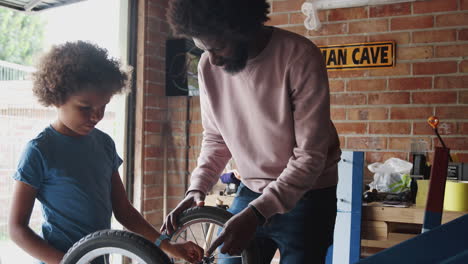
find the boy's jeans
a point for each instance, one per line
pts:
(302, 235)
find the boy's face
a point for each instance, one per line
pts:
(81, 112)
(230, 55)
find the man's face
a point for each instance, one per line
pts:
(231, 56)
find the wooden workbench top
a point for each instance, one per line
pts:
(414, 215)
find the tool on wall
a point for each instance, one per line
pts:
(433, 121)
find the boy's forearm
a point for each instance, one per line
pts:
(34, 245)
(135, 222)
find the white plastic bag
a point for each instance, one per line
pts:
(391, 176)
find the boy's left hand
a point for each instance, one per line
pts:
(188, 250)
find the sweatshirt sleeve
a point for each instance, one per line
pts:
(214, 154)
(310, 101)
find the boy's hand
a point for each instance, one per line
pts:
(188, 250)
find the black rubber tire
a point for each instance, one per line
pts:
(117, 239)
(220, 216)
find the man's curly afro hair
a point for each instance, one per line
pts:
(76, 66)
(231, 19)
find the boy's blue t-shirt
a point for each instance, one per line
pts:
(73, 178)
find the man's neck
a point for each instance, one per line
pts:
(259, 41)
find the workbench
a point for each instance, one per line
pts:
(384, 227)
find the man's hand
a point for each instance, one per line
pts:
(237, 233)
(187, 250)
(193, 198)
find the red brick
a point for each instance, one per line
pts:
(434, 6)
(452, 112)
(175, 190)
(152, 126)
(285, 6)
(153, 152)
(336, 86)
(434, 98)
(155, 101)
(175, 178)
(152, 204)
(155, 218)
(463, 97)
(416, 83)
(463, 67)
(450, 20)
(462, 128)
(400, 113)
(462, 157)
(448, 82)
(351, 128)
(153, 139)
(366, 85)
(372, 157)
(452, 51)
(439, 67)
(337, 113)
(177, 102)
(399, 69)
(319, 41)
(347, 99)
(389, 98)
(399, 38)
(177, 165)
(404, 23)
(153, 165)
(459, 143)
(177, 115)
(278, 19)
(196, 128)
(404, 143)
(389, 128)
(347, 13)
(464, 4)
(176, 127)
(463, 34)
(445, 128)
(329, 29)
(414, 53)
(346, 40)
(154, 114)
(431, 36)
(368, 26)
(379, 113)
(342, 142)
(176, 153)
(355, 143)
(152, 191)
(301, 30)
(390, 10)
(347, 73)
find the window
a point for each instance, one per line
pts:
(22, 118)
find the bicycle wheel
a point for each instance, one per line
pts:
(112, 246)
(202, 226)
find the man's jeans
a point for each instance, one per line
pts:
(302, 235)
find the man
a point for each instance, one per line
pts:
(264, 101)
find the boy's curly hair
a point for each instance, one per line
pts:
(232, 19)
(71, 67)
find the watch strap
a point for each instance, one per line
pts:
(160, 239)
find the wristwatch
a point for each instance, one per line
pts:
(261, 219)
(160, 239)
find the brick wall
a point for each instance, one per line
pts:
(381, 111)
(377, 111)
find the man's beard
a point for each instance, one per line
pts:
(238, 62)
